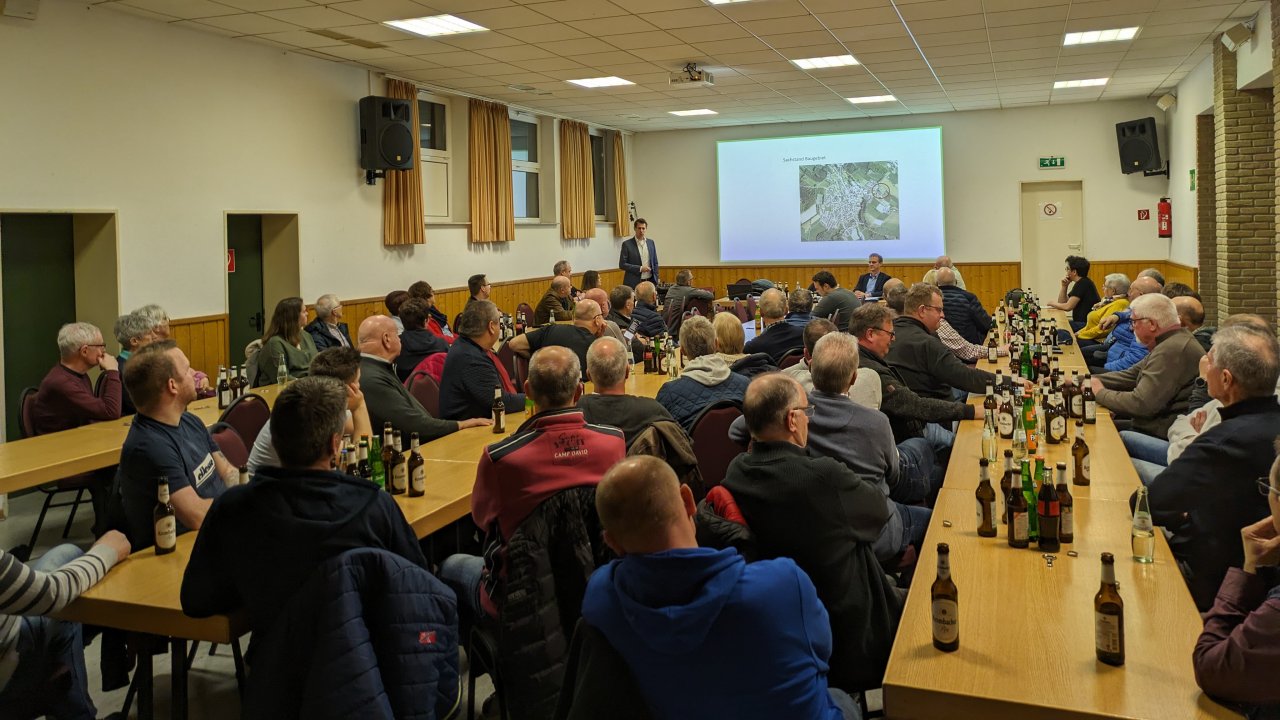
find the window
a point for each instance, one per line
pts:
(524, 166)
(433, 140)
(598, 172)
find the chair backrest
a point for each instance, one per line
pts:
(711, 441)
(423, 387)
(703, 306)
(508, 358)
(247, 414)
(27, 405)
(751, 307)
(740, 310)
(230, 443)
(527, 309)
(790, 358)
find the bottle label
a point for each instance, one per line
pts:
(1142, 522)
(420, 479)
(167, 532)
(1084, 466)
(992, 354)
(400, 477)
(1077, 405)
(499, 421)
(1090, 409)
(946, 620)
(982, 512)
(1065, 524)
(1018, 526)
(1106, 632)
(1006, 424)
(1058, 427)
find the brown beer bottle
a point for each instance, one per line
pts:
(363, 468)
(388, 459)
(986, 497)
(353, 461)
(1005, 417)
(1080, 454)
(1019, 521)
(399, 469)
(1108, 616)
(1048, 516)
(1066, 506)
(499, 413)
(166, 522)
(417, 469)
(1071, 396)
(224, 389)
(1006, 482)
(1089, 402)
(945, 602)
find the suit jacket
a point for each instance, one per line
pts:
(629, 262)
(883, 278)
(550, 308)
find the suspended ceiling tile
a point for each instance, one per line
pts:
(568, 10)
(693, 17)
(314, 17)
(380, 10)
(251, 24)
(183, 9)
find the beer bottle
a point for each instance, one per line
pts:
(1080, 454)
(993, 352)
(1144, 531)
(166, 522)
(1029, 496)
(1027, 369)
(659, 357)
(1055, 372)
(1019, 522)
(990, 405)
(1058, 420)
(399, 466)
(1070, 393)
(1006, 482)
(1015, 353)
(1066, 506)
(417, 469)
(1108, 616)
(1048, 516)
(1004, 418)
(986, 497)
(224, 389)
(648, 361)
(342, 459)
(945, 601)
(1088, 401)
(353, 461)
(500, 413)
(244, 475)
(381, 461)
(363, 468)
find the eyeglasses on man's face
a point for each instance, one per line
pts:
(935, 308)
(1264, 487)
(890, 333)
(808, 410)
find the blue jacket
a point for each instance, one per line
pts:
(629, 262)
(650, 322)
(466, 387)
(324, 339)
(707, 635)
(1123, 349)
(965, 313)
(704, 380)
(379, 636)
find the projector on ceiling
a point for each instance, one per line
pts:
(691, 76)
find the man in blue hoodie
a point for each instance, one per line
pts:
(704, 633)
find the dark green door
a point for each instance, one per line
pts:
(244, 286)
(37, 269)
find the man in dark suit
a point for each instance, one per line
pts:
(872, 282)
(639, 258)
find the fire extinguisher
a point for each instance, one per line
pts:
(1164, 218)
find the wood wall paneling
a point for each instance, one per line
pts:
(204, 340)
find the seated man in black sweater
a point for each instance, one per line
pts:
(261, 541)
(610, 404)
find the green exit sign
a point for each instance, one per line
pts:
(1052, 163)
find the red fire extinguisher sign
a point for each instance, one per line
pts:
(1164, 218)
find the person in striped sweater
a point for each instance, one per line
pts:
(33, 647)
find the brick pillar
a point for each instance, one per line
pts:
(1244, 179)
(1206, 217)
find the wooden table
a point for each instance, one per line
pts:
(1026, 631)
(31, 462)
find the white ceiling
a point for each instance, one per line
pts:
(933, 55)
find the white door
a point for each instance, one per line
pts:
(1052, 229)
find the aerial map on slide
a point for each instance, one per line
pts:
(849, 201)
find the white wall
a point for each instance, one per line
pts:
(1253, 59)
(1195, 97)
(986, 154)
(172, 127)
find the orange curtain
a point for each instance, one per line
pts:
(402, 212)
(577, 193)
(621, 224)
(493, 217)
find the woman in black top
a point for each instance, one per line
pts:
(1078, 294)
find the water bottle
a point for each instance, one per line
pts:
(282, 373)
(1144, 531)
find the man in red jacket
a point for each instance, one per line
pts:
(552, 451)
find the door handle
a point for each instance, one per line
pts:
(255, 321)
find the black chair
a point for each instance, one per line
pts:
(79, 484)
(710, 434)
(247, 414)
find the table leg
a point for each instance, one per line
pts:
(146, 696)
(178, 679)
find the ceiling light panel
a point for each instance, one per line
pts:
(867, 99)
(1099, 36)
(1066, 84)
(688, 113)
(435, 25)
(600, 82)
(825, 62)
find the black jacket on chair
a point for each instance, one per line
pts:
(415, 345)
(965, 313)
(776, 340)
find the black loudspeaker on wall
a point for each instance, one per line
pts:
(1139, 149)
(386, 133)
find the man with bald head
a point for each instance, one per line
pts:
(963, 309)
(385, 396)
(943, 261)
(645, 312)
(778, 336)
(1121, 349)
(820, 513)
(588, 324)
(552, 305)
(1191, 316)
(759, 625)
(601, 298)
(610, 404)
(552, 451)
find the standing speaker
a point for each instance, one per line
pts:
(1139, 149)
(386, 133)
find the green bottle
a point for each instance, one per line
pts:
(1026, 370)
(1029, 492)
(375, 462)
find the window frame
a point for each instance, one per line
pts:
(606, 170)
(527, 166)
(442, 157)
